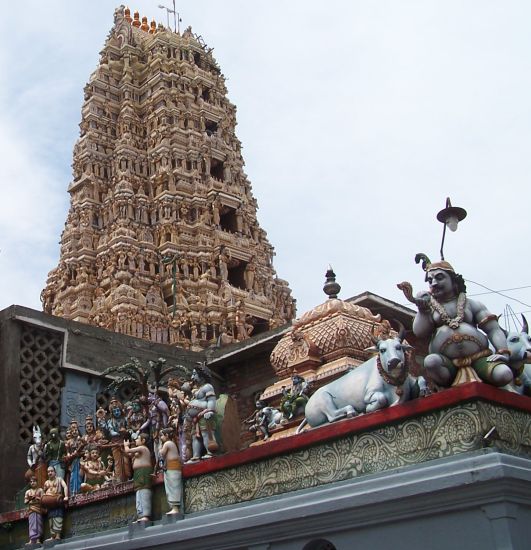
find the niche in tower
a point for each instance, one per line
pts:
(260, 325)
(211, 127)
(236, 274)
(227, 219)
(216, 169)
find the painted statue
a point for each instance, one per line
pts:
(74, 450)
(33, 498)
(382, 381)
(117, 431)
(137, 417)
(93, 470)
(519, 345)
(35, 457)
(90, 431)
(265, 419)
(294, 399)
(158, 413)
(177, 404)
(54, 452)
(200, 417)
(55, 495)
(142, 475)
(170, 464)
(459, 330)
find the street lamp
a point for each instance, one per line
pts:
(450, 217)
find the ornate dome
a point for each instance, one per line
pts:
(330, 331)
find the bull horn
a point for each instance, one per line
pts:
(401, 331)
(374, 339)
(506, 332)
(525, 326)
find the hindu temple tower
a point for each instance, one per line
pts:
(161, 239)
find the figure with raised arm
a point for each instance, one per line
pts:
(460, 330)
(142, 469)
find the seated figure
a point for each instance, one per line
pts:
(460, 330)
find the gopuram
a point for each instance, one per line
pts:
(166, 398)
(161, 240)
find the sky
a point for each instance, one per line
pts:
(357, 120)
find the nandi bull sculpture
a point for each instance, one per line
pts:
(519, 345)
(380, 382)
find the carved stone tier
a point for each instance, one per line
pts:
(161, 240)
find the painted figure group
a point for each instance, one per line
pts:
(135, 441)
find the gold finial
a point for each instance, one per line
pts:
(127, 15)
(136, 19)
(153, 28)
(145, 26)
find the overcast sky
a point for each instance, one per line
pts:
(357, 118)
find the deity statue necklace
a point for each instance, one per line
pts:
(446, 319)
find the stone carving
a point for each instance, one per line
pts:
(35, 457)
(294, 399)
(137, 198)
(331, 330)
(458, 351)
(33, 498)
(142, 471)
(264, 420)
(519, 345)
(414, 440)
(170, 464)
(55, 495)
(382, 381)
(200, 417)
(54, 452)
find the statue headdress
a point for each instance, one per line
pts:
(427, 265)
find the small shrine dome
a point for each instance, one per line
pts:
(333, 330)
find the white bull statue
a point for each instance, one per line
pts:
(519, 345)
(382, 381)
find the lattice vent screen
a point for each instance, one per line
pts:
(40, 380)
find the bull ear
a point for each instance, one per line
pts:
(372, 349)
(525, 326)
(407, 347)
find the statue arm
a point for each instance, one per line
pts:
(29, 458)
(488, 323)
(65, 488)
(211, 400)
(423, 325)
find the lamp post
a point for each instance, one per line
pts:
(450, 216)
